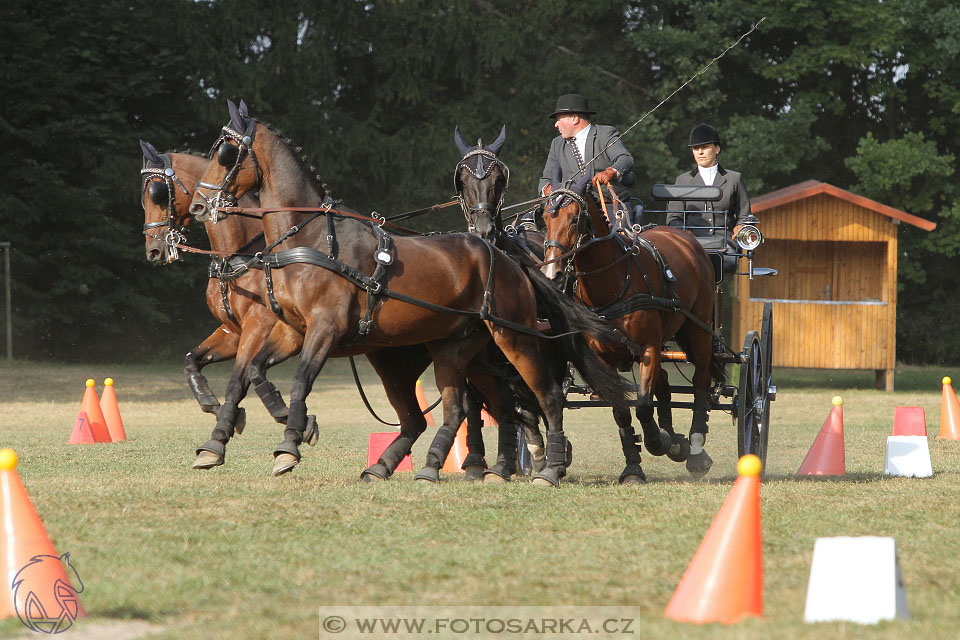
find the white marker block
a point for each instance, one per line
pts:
(907, 456)
(855, 579)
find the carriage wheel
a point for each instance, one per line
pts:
(752, 400)
(769, 391)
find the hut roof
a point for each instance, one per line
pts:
(811, 188)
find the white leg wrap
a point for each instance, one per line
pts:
(696, 443)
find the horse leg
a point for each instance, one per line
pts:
(399, 369)
(659, 436)
(268, 393)
(531, 430)
(285, 342)
(476, 461)
(678, 445)
(221, 345)
(317, 344)
(700, 348)
(230, 417)
(449, 364)
(503, 410)
(527, 357)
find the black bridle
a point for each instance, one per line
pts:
(561, 198)
(480, 163)
(160, 182)
(231, 149)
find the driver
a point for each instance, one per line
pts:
(708, 221)
(579, 141)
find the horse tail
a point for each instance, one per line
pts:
(566, 315)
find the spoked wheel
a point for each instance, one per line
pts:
(756, 390)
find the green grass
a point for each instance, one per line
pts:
(234, 552)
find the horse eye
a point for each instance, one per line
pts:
(158, 192)
(227, 154)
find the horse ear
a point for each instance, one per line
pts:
(236, 119)
(243, 109)
(498, 143)
(150, 153)
(462, 145)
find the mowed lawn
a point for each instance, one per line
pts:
(168, 552)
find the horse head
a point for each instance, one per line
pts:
(567, 221)
(232, 169)
(166, 201)
(481, 181)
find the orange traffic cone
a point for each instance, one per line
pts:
(949, 413)
(111, 412)
(724, 581)
(91, 406)
(38, 590)
(826, 456)
(458, 452)
(82, 433)
(422, 401)
(487, 419)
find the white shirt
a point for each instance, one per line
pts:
(708, 174)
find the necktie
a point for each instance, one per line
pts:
(576, 153)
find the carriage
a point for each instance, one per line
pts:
(749, 400)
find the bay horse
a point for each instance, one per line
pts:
(481, 180)
(653, 286)
(233, 290)
(369, 290)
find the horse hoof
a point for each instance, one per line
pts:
(699, 464)
(375, 473)
(492, 477)
(474, 473)
(679, 450)
(207, 460)
(311, 434)
(428, 474)
(632, 479)
(548, 477)
(284, 463)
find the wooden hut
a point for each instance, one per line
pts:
(835, 298)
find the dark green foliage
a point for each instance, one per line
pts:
(858, 93)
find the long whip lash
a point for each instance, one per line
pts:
(675, 91)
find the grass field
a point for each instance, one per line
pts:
(167, 552)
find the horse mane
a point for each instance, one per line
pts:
(297, 152)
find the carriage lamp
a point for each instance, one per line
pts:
(748, 236)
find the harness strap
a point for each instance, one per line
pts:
(309, 255)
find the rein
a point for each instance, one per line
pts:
(366, 403)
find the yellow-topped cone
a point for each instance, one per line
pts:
(38, 590)
(724, 581)
(949, 412)
(111, 412)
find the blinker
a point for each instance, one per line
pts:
(227, 154)
(159, 192)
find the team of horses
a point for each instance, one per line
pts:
(503, 312)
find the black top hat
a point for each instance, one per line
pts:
(703, 133)
(572, 103)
